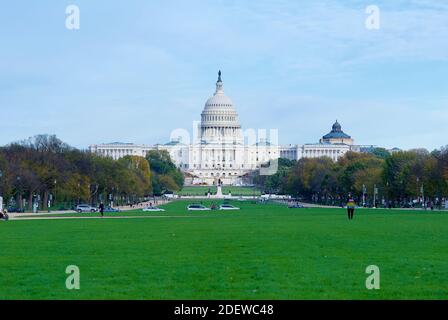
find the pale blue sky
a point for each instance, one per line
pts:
(138, 69)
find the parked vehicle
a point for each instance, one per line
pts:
(296, 206)
(170, 196)
(268, 196)
(226, 206)
(110, 209)
(153, 209)
(15, 209)
(197, 207)
(85, 208)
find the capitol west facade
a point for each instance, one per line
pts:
(220, 153)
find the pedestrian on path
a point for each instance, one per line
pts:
(102, 209)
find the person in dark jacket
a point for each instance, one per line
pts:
(350, 207)
(102, 209)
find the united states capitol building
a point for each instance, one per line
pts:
(223, 151)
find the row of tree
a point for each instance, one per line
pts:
(46, 171)
(405, 178)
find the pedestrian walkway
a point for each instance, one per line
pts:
(97, 218)
(58, 212)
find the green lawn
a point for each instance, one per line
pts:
(235, 191)
(264, 251)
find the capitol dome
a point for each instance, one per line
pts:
(219, 119)
(219, 100)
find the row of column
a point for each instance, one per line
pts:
(219, 131)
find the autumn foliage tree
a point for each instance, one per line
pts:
(45, 170)
(401, 178)
(166, 177)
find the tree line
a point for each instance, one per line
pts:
(49, 172)
(400, 179)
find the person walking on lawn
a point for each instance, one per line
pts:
(350, 207)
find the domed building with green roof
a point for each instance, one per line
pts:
(337, 136)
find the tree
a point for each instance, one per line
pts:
(380, 153)
(166, 177)
(312, 179)
(275, 183)
(405, 174)
(44, 167)
(359, 171)
(141, 173)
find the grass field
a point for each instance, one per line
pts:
(264, 251)
(235, 191)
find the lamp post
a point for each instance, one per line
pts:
(79, 192)
(55, 189)
(418, 190)
(423, 195)
(52, 196)
(35, 203)
(19, 185)
(112, 197)
(375, 192)
(363, 195)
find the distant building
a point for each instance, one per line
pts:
(220, 153)
(334, 145)
(337, 136)
(394, 150)
(117, 150)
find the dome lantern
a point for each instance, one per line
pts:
(336, 126)
(219, 88)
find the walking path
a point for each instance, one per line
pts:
(140, 206)
(99, 217)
